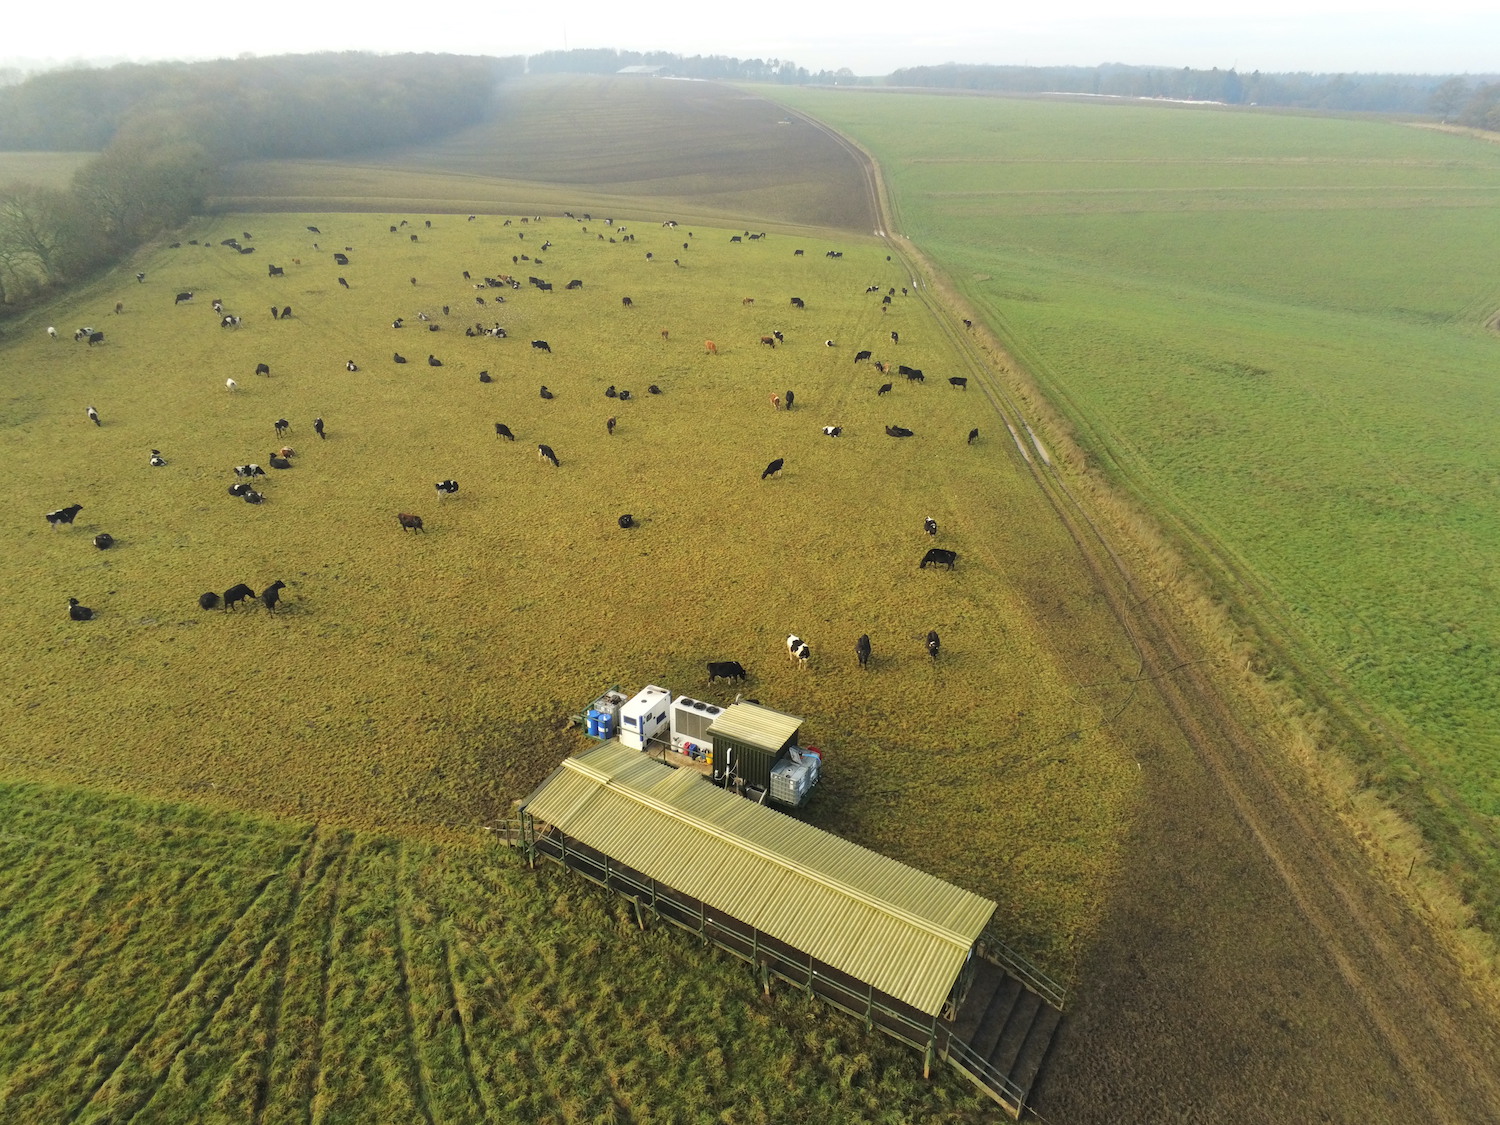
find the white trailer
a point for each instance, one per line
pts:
(644, 716)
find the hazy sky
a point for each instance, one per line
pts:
(870, 37)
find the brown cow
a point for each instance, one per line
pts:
(410, 522)
(713, 348)
(776, 402)
(769, 341)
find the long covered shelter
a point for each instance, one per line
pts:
(904, 932)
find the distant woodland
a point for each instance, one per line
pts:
(1465, 101)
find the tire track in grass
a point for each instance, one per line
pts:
(318, 846)
(457, 1003)
(330, 931)
(277, 927)
(403, 967)
(183, 985)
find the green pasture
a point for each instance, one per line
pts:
(168, 963)
(52, 169)
(413, 681)
(1276, 330)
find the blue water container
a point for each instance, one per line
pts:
(593, 723)
(606, 725)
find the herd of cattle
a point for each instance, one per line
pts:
(799, 651)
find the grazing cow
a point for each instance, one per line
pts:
(574, 284)
(275, 271)
(272, 594)
(862, 650)
(773, 468)
(895, 337)
(286, 313)
(789, 398)
(236, 594)
(93, 416)
(610, 392)
(140, 277)
(769, 341)
(104, 541)
(929, 525)
(263, 369)
(433, 361)
(969, 324)
(665, 334)
(544, 452)
(218, 304)
(713, 349)
(413, 281)
(157, 460)
(486, 377)
(545, 393)
(725, 669)
(780, 339)
(410, 522)
(63, 515)
(119, 307)
(315, 230)
(542, 346)
(349, 365)
(182, 297)
(937, 556)
(282, 426)
(885, 388)
(340, 259)
(446, 488)
(627, 521)
(52, 332)
(98, 337)
(208, 600)
(959, 381)
(609, 425)
(775, 402)
(544, 286)
(735, 238)
(832, 431)
(79, 612)
(627, 302)
(748, 301)
(624, 396)
(859, 356)
(899, 431)
(275, 314)
(933, 643)
(914, 375)
(502, 430)
(318, 428)
(229, 322)
(398, 357)
(344, 283)
(798, 303)
(796, 253)
(973, 435)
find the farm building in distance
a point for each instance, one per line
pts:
(893, 946)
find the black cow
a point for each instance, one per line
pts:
(545, 453)
(104, 541)
(862, 650)
(545, 393)
(182, 297)
(282, 425)
(209, 600)
(236, 594)
(884, 389)
(959, 381)
(486, 377)
(272, 594)
(318, 428)
(286, 312)
(433, 361)
(96, 338)
(895, 337)
(773, 468)
(263, 369)
(542, 346)
(798, 303)
(341, 259)
(938, 556)
(575, 284)
(315, 230)
(725, 669)
(899, 431)
(973, 435)
(344, 283)
(627, 521)
(275, 271)
(410, 522)
(735, 238)
(64, 515)
(860, 356)
(789, 396)
(502, 430)
(653, 389)
(398, 357)
(933, 643)
(627, 302)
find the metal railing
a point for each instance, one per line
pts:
(773, 957)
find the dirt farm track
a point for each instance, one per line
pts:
(1250, 965)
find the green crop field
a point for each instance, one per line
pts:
(411, 685)
(1278, 331)
(54, 169)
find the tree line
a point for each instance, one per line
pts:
(161, 131)
(1372, 93)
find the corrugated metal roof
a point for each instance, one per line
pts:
(757, 725)
(900, 929)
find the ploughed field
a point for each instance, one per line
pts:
(1278, 331)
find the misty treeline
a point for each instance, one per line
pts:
(161, 131)
(1374, 93)
(610, 61)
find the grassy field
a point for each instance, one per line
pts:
(168, 963)
(681, 150)
(1278, 331)
(54, 169)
